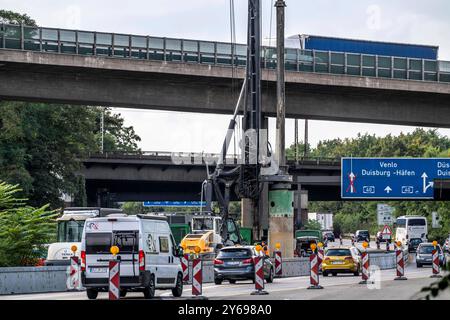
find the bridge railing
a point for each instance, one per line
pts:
(201, 158)
(216, 53)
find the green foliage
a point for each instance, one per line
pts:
(12, 17)
(313, 225)
(41, 144)
(80, 197)
(24, 230)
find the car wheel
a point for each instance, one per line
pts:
(334, 274)
(270, 278)
(123, 293)
(419, 265)
(149, 291)
(178, 290)
(232, 281)
(91, 294)
(217, 281)
(325, 273)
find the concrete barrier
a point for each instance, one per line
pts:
(21, 280)
(18, 280)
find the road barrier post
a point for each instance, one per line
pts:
(387, 245)
(74, 273)
(258, 262)
(185, 267)
(435, 266)
(365, 264)
(320, 256)
(314, 269)
(114, 275)
(400, 262)
(197, 274)
(278, 261)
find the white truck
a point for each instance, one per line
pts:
(69, 232)
(148, 254)
(325, 219)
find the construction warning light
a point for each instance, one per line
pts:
(365, 244)
(74, 248)
(313, 246)
(114, 250)
(278, 246)
(258, 248)
(399, 243)
(197, 249)
(435, 243)
(320, 244)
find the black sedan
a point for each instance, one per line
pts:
(237, 263)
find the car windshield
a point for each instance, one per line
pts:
(415, 241)
(235, 253)
(363, 233)
(338, 252)
(428, 249)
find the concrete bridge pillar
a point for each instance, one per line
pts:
(300, 208)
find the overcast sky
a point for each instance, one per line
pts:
(410, 21)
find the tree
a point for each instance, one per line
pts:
(41, 146)
(24, 230)
(12, 17)
(80, 197)
(313, 225)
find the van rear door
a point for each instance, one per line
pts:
(101, 237)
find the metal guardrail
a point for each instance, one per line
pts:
(94, 43)
(200, 157)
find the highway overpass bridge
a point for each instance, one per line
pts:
(97, 68)
(156, 176)
(168, 176)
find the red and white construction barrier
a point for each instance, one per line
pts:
(259, 276)
(400, 264)
(278, 264)
(435, 265)
(74, 274)
(320, 257)
(314, 272)
(364, 267)
(185, 267)
(197, 277)
(114, 280)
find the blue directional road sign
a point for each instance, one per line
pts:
(391, 178)
(174, 203)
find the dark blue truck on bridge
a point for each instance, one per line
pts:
(323, 43)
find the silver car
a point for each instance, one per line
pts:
(424, 255)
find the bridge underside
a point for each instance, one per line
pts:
(87, 80)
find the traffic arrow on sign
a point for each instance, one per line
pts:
(388, 189)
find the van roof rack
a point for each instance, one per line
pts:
(151, 217)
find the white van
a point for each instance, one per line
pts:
(148, 253)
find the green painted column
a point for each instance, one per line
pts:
(281, 221)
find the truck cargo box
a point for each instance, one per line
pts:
(311, 42)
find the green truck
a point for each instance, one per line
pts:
(179, 231)
(304, 239)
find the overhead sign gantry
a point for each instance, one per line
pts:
(392, 178)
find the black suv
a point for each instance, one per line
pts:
(237, 263)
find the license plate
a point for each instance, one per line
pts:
(233, 263)
(337, 262)
(97, 270)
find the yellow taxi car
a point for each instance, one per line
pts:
(341, 260)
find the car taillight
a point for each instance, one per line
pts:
(327, 259)
(141, 260)
(247, 261)
(83, 260)
(217, 262)
(349, 258)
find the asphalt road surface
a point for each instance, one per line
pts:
(339, 287)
